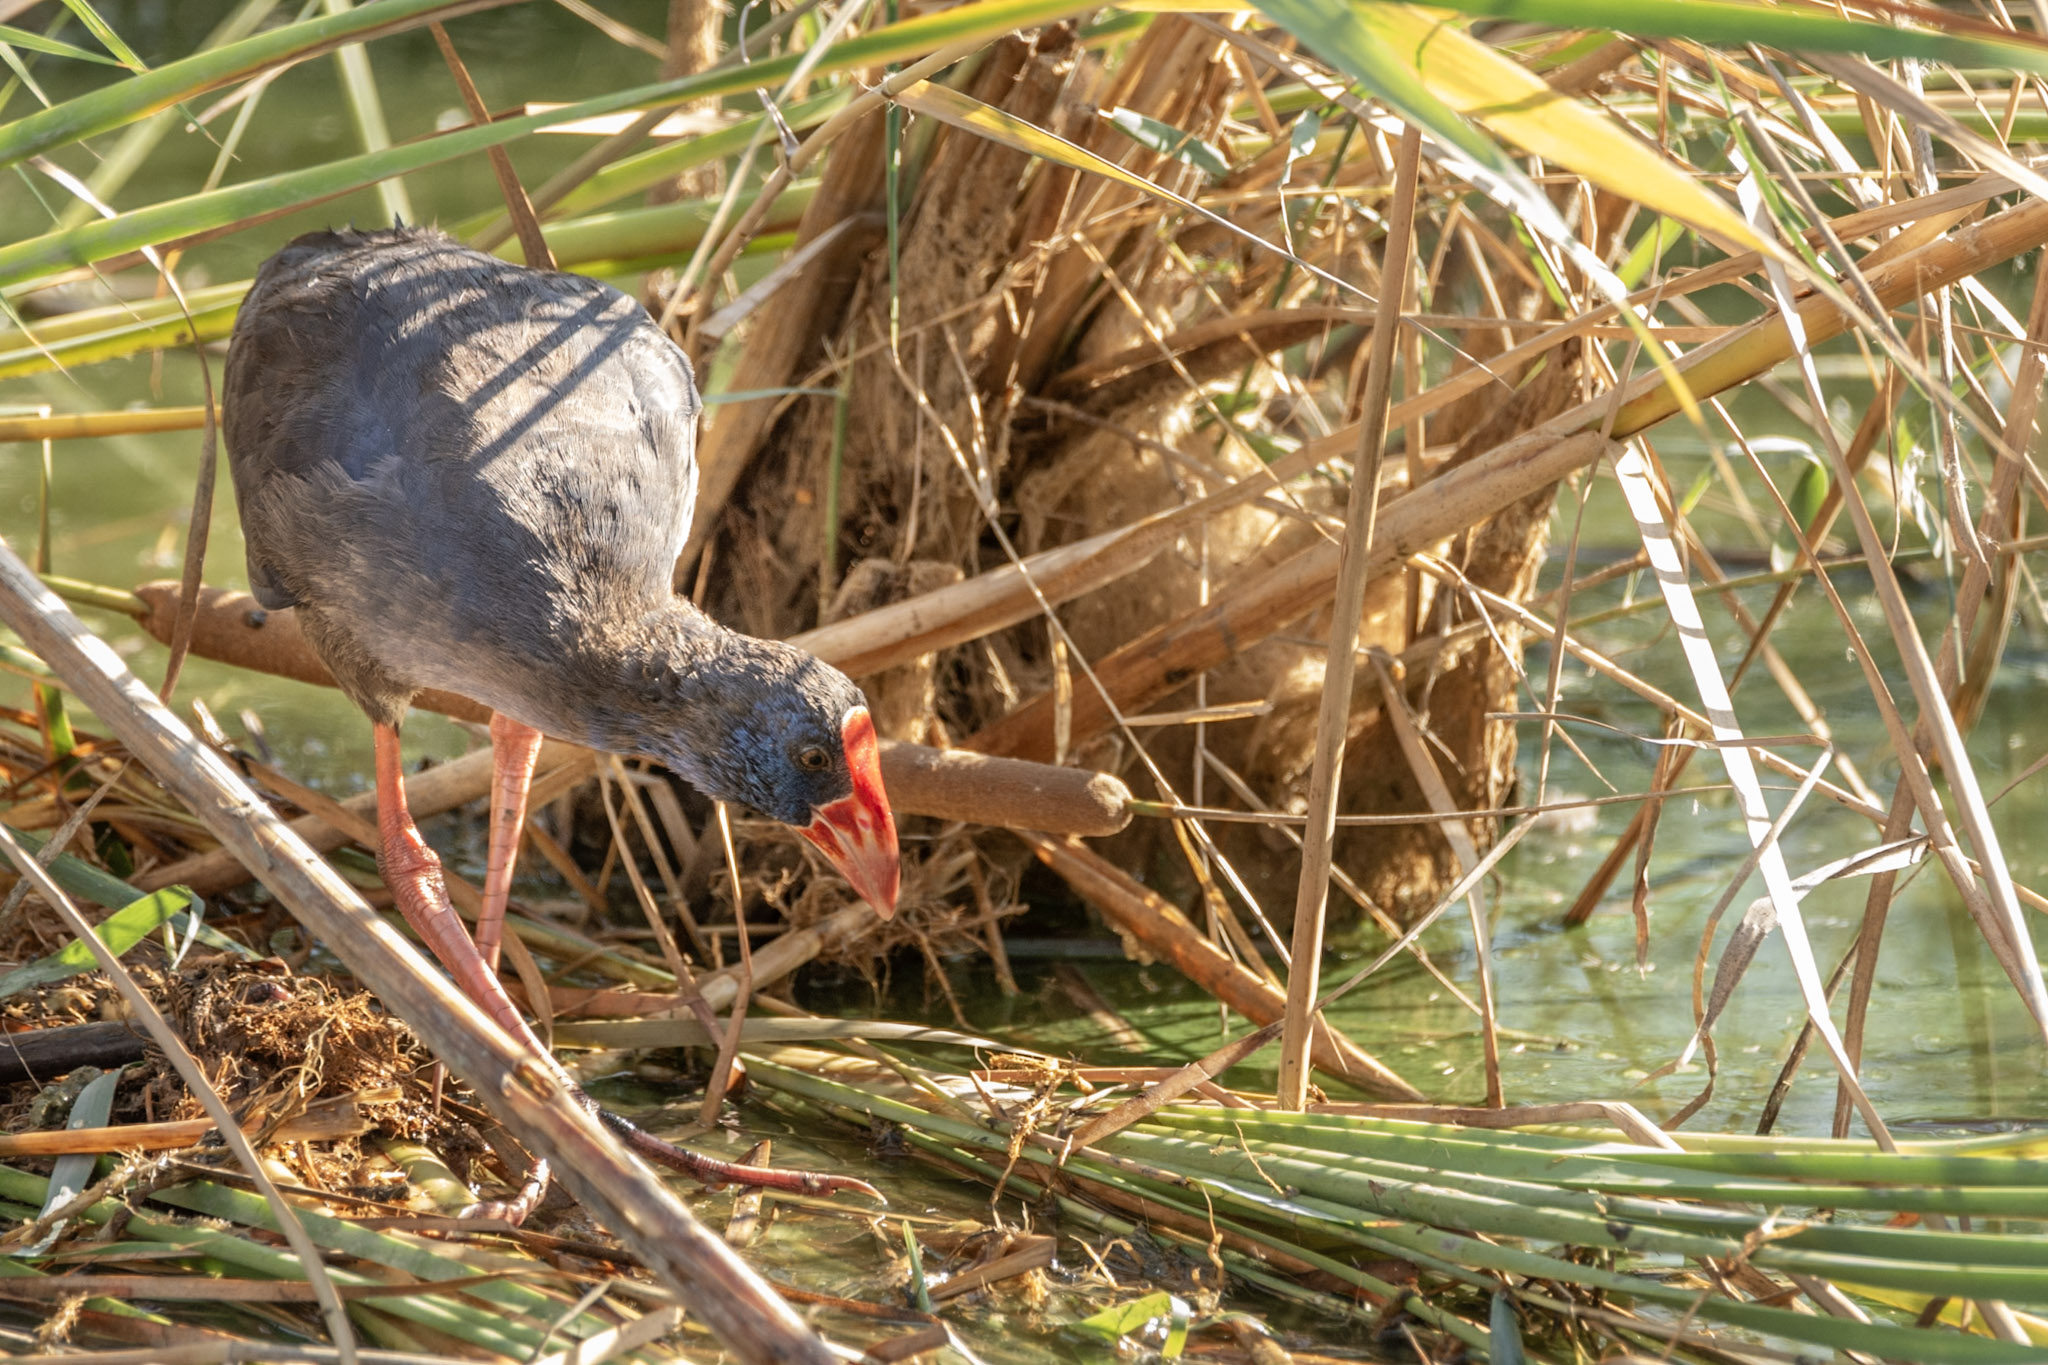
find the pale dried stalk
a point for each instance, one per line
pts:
(1167, 1089)
(1874, 422)
(743, 984)
(1408, 735)
(1318, 835)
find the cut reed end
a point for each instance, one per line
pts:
(233, 627)
(954, 784)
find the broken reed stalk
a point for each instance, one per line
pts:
(947, 784)
(1312, 897)
(1407, 730)
(532, 243)
(748, 1317)
(172, 1135)
(1160, 926)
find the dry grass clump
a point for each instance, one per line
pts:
(273, 1041)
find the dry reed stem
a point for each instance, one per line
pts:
(533, 245)
(591, 1350)
(1407, 732)
(753, 1322)
(1163, 929)
(1166, 1089)
(324, 1124)
(1312, 896)
(1032, 1251)
(68, 426)
(722, 1066)
(693, 999)
(791, 949)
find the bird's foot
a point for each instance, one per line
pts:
(709, 1170)
(516, 1209)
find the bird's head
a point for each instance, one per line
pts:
(782, 731)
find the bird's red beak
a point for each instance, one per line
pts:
(857, 832)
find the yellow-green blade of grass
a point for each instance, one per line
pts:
(1793, 29)
(133, 151)
(160, 328)
(366, 109)
(51, 47)
(294, 189)
(1355, 39)
(123, 102)
(102, 30)
(597, 241)
(120, 931)
(508, 1317)
(1395, 49)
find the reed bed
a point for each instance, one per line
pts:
(1592, 1243)
(1184, 421)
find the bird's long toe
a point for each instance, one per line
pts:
(709, 1170)
(520, 1206)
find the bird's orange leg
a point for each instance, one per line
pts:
(515, 748)
(412, 871)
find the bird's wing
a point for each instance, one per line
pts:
(671, 410)
(401, 408)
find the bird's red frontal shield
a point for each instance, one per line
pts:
(857, 832)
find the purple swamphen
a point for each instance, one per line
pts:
(472, 476)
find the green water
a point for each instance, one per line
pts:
(1948, 1038)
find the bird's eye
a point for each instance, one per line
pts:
(814, 759)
